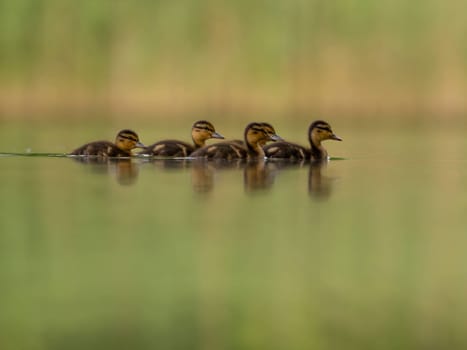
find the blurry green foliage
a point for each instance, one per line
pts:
(86, 36)
(406, 50)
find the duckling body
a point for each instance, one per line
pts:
(286, 150)
(125, 141)
(255, 135)
(317, 132)
(201, 131)
(169, 148)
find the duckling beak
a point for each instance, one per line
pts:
(139, 145)
(216, 135)
(335, 137)
(275, 137)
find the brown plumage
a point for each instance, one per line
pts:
(201, 131)
(318, 131)
(125, 141)
(269, 129)
(255, 135)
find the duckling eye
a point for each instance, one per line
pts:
(202, 130)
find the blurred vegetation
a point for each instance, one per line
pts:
(182, 56)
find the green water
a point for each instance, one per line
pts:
(366, 252)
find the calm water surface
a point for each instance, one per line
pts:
(364, 252)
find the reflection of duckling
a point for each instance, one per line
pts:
(200, 132)
(126, 171)
(203, 173)
(125, 141)
(318, 131)
(202, 177)
(257, 176)
(255, 135)
(169, 164)
(319, 186)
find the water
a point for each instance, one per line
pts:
(367, 251)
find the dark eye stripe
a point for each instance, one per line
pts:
(205, 127)
(129, 137)
(325, 128)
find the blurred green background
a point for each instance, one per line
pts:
(368, 252)
(233, 57)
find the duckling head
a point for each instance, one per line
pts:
(257, 134)
(203, 130)
(320, 131)
(272, 133)
(127, 139)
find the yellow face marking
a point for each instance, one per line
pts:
(126, 140)
(125, 144)
(202, 131)
(256, 135)
(200, 135)
(322, 132)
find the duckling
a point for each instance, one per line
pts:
(318, 131)
(125, 141)
(319, 185)
(255, 135)
(257, 176)
(201, 131)
(269, 129)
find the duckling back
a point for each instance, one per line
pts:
(286, 150)
(222, 150)
(100, 149)
(169, 148)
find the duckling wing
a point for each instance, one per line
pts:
(100, 148)
(286, 150)
(169, 148)
(221, 150)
